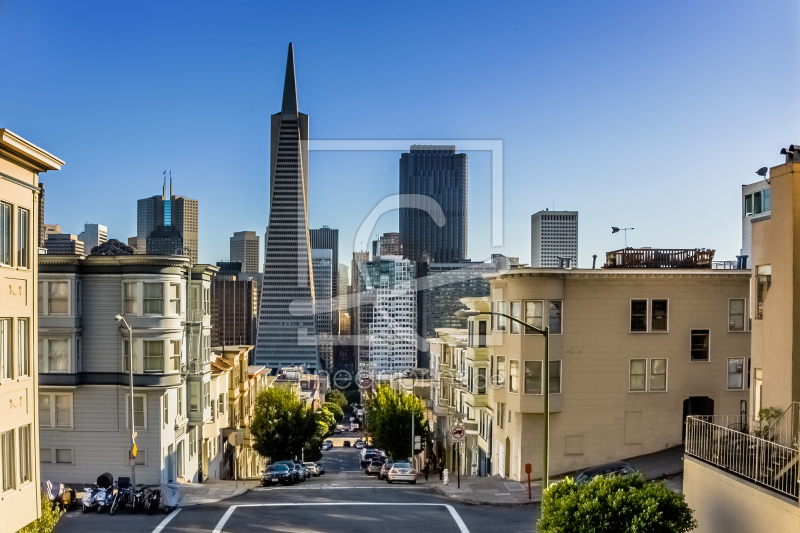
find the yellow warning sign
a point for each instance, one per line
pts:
(134, 450)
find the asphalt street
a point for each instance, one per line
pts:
(342, 500)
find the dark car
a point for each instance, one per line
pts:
(368, 457)
(302, 472)
(296, 474)
(275, 474)
(346, 444)
(617, 468)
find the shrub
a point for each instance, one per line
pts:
(48, 521)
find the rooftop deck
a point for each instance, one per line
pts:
(659, 258)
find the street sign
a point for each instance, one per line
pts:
(135, 449)
(458, 433)
(417, 438)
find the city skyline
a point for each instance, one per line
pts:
(156, 87)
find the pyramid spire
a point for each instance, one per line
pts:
(290, 85)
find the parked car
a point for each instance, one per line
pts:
(373, 468)
(368, 456)
(320, 469)
(402, 471)
(312, 469)
(617, 468)
(295, 472)
(385, 469)
(326, 446)
(304, 468)
(301, 472)
(275, 474)
(359, 444)
(346, 444)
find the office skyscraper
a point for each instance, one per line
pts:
(438, 173)
(326, 238)
(244, 248)
(554, 235)
(93, 235)
(286, 328)
(171, 216)
(323, 283)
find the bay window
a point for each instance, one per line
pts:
(153, 298)
(57, 298)
(55, 410)
(555, 316)
(533, 315)
(174, 299)
(153, 356)
(130, 299)
(515, 312)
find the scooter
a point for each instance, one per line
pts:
(99, 496)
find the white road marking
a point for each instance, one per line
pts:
(164, 522)
(222, 521)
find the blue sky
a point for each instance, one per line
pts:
(642, 114)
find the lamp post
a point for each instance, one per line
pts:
(120, 318)
(467, 313)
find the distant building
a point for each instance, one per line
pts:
(234, 310)
(343, 285)
(245, 249)
(387, 244)
(756, 206)
(93, 235)
(63, 244)
(387, 315)
(326, 238)
(156, 213)
(440, 174)
(50, 229)
(40, 228)
(554, 239)
(321, 261)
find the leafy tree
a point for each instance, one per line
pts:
(389, 421)
(48, 521)
(335, 409)
(282, 424)
(336, 396)
(326, 421)
(614, 504)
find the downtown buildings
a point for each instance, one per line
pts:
(322, 261)
(93, 235)
(554, 239)
(286, 329)
(167, 225)
(244, 249)
(20, 165)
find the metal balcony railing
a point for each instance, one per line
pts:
(761, 461)
(659, 258)
(195, 316)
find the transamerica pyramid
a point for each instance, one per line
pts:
(286, 331)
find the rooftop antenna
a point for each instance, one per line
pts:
(170, 183)
(615, 229)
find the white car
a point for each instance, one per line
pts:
(359, 445)
(402, 471)
(312, 469)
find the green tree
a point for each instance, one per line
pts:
(614, 504)
(389, 421)
(335, 409)
(282, 424)
(336, 396)
(48, 521)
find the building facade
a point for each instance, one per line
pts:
(326, 238)
(93, 235)
(20, 165)
(438, 175)
(245, 249)
(554, 239)
(234, 311)
(64, 244)
(286, 329)
(756, 207)
(157, 214)
(321, 261)
(386, 315)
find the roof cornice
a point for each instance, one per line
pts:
(27, 152)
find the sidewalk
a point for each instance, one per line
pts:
(495, 490)
(213, 490)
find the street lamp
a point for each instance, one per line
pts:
(467, 313)
(120, 318)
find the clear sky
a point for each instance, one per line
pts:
(642, 114)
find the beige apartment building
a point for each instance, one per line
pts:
(20, 165)
(633, 351)
(753, 487)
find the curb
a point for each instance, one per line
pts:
(193, 504)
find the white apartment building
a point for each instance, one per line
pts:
(93, 235)
(387, 315)
(756, 206)
(554, 237)
(321, 264)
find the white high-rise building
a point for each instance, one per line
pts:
(93, 235)
(387, 315)
(756, 206)
(554, 239)
(244, 248)
(321, 265)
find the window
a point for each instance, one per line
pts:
(700, 342)
(193, 441)
(500, 379)
(180, 401)
(482, 334)
(5, 233)
(129, 295)
(736, 373)
(481, 385)
(533, 377)
(165, 407)
(736, 321)
(57, 301)
(763, 281)
(501, 414)
(153, 298)
(153, 356)
(221, 403)
(174, 299)
(64, 455)
(501, 320)
(206, 395)
(658, 315)
(7, 448)
(55, 410)
(515, 312)
(194, 396)
(555, 316)
(638, 377)
(6, 357)
(658, 375)
(638, 315)
(139, 411)
(126, 355)
(25, 442)
(57, 355)
(555, 377)
(23, 347)
(533, 315)
(45, 455)
(757, 203)
(513, 376)
(175, 355)
(23, 239)
(748, 205)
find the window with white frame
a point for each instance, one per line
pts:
(23, 238)
(194, 396)
(638, 375)
(9, 460)
(153, 298)
(555, 377)
(180, 393)
(206, 348)
(533, 315)
(54, 356)
(701, 340)
(58, 298)
(515, 312)
(5, 233)
(25, 461)
(206, 395)
(165, 407)
(221, 403)
(64, 456)
(206, 300)
(153, 356)
(6, 353)
(513, 375)
(500, 378)
(736, 314)
(130, 299)
(501, 320)
(175, 355)
(658, 375)
(174, 299)
(555, 307)
(736, 379)
(140, 459)
(23, 347)
(533, 377)
(55, 410)
(139, 411)
(126, 356)
(649, 315)
(647, 375)
(193, 441)
(501, 414)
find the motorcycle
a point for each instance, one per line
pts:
(60, 495)
(123, 496)
(152, 499)
(100, 495)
